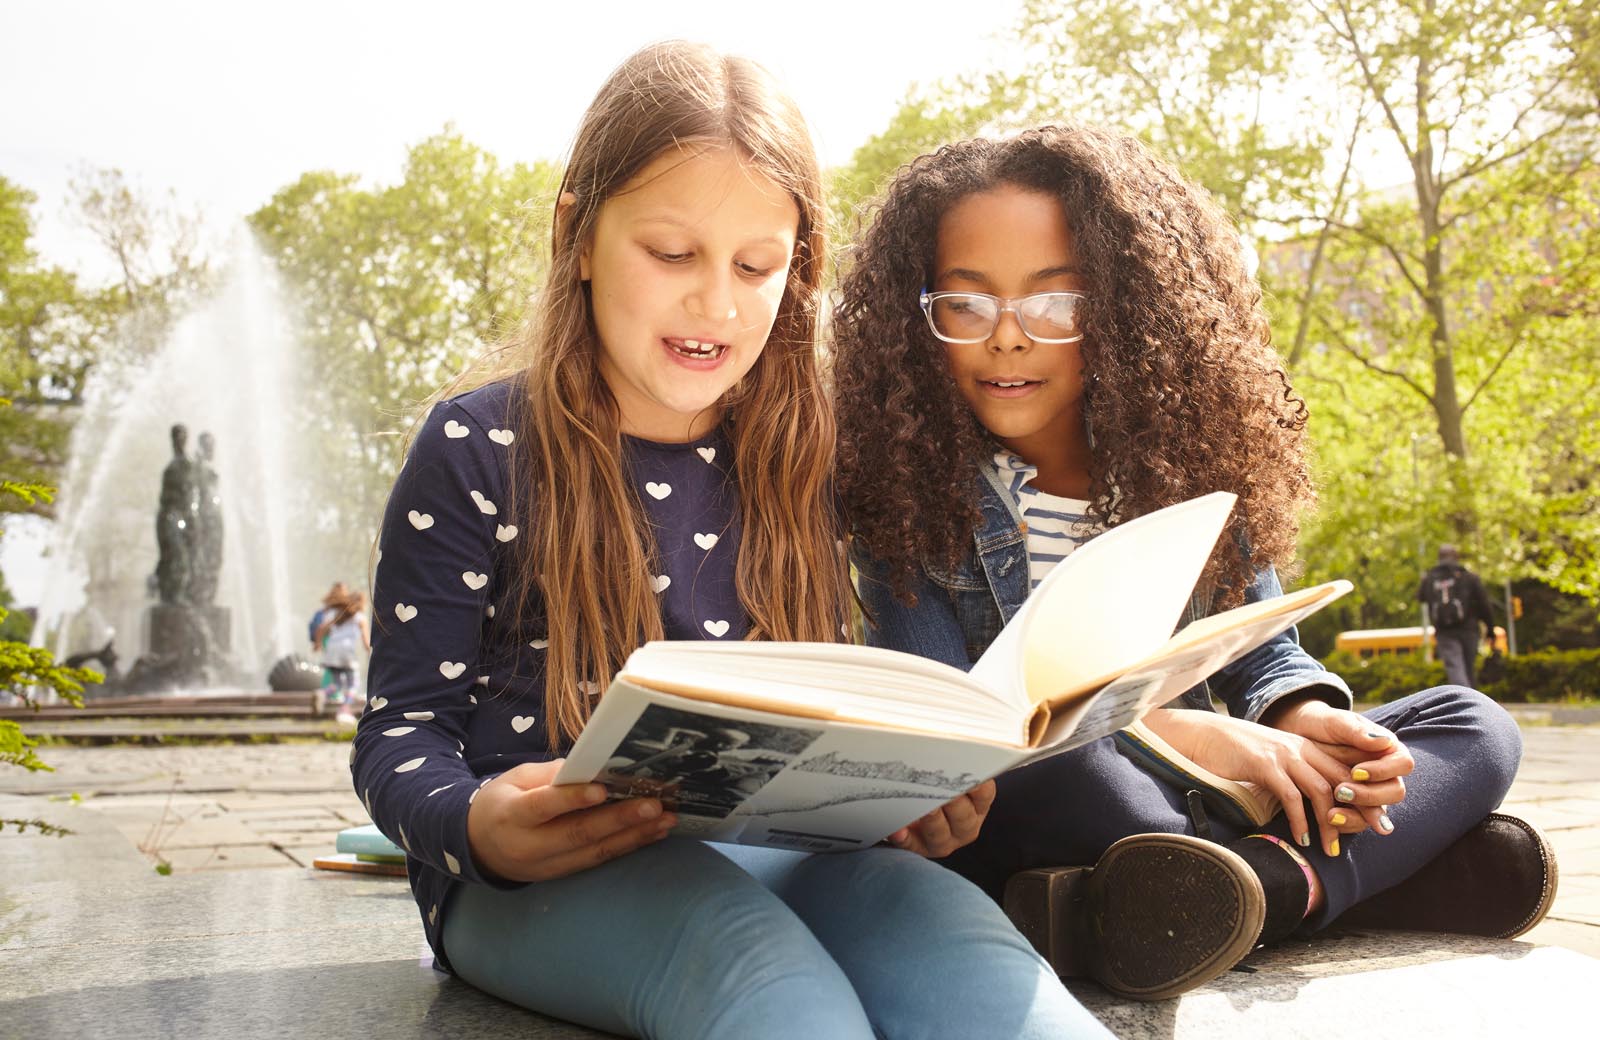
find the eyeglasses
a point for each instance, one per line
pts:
(970, 317)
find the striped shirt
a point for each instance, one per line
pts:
(1055, 525)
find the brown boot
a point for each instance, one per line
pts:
(1497, 880)
(1159, 915)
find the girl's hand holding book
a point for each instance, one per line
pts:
(947, 828)
(524, 828)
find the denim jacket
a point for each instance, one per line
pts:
(959, 613)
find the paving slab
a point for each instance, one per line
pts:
(285, 953)
(94, 943)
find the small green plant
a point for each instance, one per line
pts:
(25, 670)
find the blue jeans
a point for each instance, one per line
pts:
(686, 939)
(1068, 809)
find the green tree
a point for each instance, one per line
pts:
(1461, 303)
(398, 286)
(42, 362)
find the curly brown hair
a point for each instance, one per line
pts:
(1184, 393)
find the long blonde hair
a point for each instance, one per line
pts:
(587, 568)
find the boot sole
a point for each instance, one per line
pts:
(1552, 875)
(1159, 915)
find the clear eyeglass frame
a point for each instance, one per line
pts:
(1015, 304)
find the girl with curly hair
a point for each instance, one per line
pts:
(1044, 336)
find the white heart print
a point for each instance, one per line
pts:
(421, 521)
(716, 628)
(657, 491)
(420, 716)
(452, 669)
(453, 863)
(520, 723)
(505, 532)
(399, 731)
(378, 703)
(474, 581)
(706, 453)
(455, 431)
(660, 582)
(539, 644)
(406, 767)
(502, 436)
(588, 687)
(705, 541)
(404, 612)
(484, 505)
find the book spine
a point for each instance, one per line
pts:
(1218, 801)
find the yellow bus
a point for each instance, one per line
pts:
(1374, 642)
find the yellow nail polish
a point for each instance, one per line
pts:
(1333, 847)
(1337, 819)
(1360, 774)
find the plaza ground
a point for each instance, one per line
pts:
(242, 939)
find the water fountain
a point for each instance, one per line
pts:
(227, 370)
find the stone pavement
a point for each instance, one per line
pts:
(247, 942)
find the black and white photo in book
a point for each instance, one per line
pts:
(699, 765)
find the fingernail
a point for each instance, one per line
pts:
(1305, 840)
(1333, 847)
(1376, 735)
(1360, 774)
(649, 810)
(1345, 793)
(594, 794)
(1385, 824)
(1337, 819)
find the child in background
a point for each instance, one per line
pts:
(345, 638)
(652, 459)
(1042, 337)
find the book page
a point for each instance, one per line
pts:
(830, 680)
(1197, 652)
(757, 778)
(1106, 607)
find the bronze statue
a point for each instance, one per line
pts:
(206, 558)
(176, 521)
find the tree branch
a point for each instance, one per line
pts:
(1368, 76)
(1344, 344)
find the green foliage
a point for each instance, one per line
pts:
(928, 117)
(1542, 677)
(399, 286)
(40, 327)
(25, 669)
(1549, 675)
(1385, 678)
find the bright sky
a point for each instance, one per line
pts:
(224, 103)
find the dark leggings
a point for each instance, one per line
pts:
(1068, 809)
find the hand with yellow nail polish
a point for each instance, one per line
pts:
(1372, 763)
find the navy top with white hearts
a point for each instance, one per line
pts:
(455, 699)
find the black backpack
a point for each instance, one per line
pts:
(1447, 603)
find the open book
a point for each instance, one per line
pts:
(823, 746)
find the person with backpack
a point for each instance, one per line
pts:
(1456, 603)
